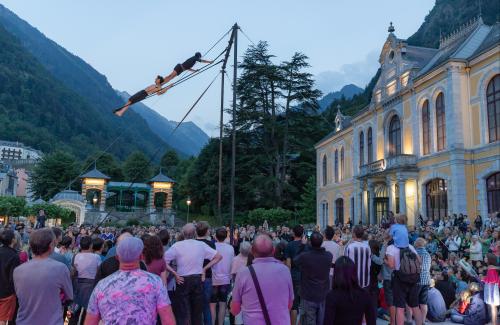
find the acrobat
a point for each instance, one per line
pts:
(141, 95)
(187, 65)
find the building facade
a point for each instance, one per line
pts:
(429, 141)
(10, 150)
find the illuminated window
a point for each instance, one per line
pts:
(394, 136)
(436, 193)
(391, 88)
(493, 192)
(493, 108)
(426, 117)
(440, 122)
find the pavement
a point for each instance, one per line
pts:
(448, 322)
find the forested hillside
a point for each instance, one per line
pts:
(78, 85)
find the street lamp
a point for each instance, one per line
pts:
(188, 202)
(95, 199)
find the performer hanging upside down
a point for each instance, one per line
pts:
(141, 95)
(187, 65)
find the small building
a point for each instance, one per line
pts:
(101, 197)
(8, 180)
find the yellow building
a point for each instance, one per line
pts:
(429, 141)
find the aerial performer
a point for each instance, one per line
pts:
(160, 81)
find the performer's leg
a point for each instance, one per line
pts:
(120, 111)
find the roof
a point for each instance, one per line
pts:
(491, 40)
(94, 173)
(462, 44)
(68, 195)
(419, 55)
(129, 185)
(161, 178)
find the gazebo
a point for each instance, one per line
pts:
(161, 192)
(94, 185)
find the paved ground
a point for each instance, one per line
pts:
(383, 322)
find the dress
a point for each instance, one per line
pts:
(491, 293)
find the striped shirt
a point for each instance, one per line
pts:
(360, 253)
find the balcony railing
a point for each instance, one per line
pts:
(394, 162)
(401, 161)
(372, 168)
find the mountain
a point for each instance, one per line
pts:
(188, 139)
(83, 98)
(348, 91)
(448, 15)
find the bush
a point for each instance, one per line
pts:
(133, 222)
(277, 216)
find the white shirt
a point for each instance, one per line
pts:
(189, 255)
(476, 251)
(334, 249)
(221, 272)
(86, 264)
(453, 243)
(360, 254)
(394, 252)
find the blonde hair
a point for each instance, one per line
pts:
(401, 219)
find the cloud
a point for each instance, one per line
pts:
(358, 73)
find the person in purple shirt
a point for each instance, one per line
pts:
(275, 282)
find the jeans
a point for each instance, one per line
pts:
(456, 317)
(314, 312)
(190, 299)
(207, 295)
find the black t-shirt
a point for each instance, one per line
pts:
(293, 249)
(344, 307)
(189, 63)
(208, 273)
(315, 267)
(447, 291)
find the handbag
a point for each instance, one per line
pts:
(259, 294)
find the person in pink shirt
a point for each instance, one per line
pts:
(275, 282)
(130, 295)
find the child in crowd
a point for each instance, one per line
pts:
(399, 232)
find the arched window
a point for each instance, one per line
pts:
(493, 192)
(336, 166)
(339, 211)
(436, 194)
(324, 214)
(324, 169)
(369, 142)
(426, 117)
(394, 136)
(361, 148)
(342, 169)
(493, 107)
(440, 122)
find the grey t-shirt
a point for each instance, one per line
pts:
(38, 285)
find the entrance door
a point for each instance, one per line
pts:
(381, 206)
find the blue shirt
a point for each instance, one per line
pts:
(399, 234)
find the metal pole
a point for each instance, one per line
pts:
(233, 155)
(221, 134)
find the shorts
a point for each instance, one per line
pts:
(137, 97)
(7, 308)
(404, 293)
(296, 295)
(422, 294)
(178, 68)
(220, 293)
(389, 298)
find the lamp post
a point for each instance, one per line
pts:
(188, 202)
(95, 199)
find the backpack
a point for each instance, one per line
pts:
(410, 266)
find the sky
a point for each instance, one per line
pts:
(132, 41)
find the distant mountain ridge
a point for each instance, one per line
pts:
(76, 75)
(348, 91)
(188, 139)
